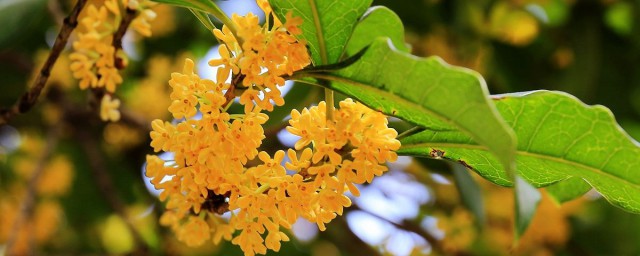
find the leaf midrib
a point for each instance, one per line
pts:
(319, 33)
(560, 160)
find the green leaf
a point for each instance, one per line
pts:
(567, 190)
(470, 192)
(527, 199)
(206, 6)
(327, 24)
(426, 92)
(203, 18)
(559, 137)
(379, 21)
(17, 17)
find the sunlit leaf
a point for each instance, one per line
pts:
(327, 25)
(379, 21)
(559, 137)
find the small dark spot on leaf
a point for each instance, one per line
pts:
(436, 153)
(465, 164)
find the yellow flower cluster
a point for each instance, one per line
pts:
(261, 55)
(54, 182)
(210, 154)
(95, 60)
(215, 170)
(349, 149)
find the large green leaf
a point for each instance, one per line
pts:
(559, 137)
(426, 92)
(567, 190)
(378, 21)
(327, 25)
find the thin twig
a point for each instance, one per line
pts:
(29, 98)
(129, 16)
(230, 94)
(103, 180)
(26, 208)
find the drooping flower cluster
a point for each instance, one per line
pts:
(209, 171)
(95, 60)
(217, 166)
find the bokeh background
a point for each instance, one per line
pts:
(92, 197)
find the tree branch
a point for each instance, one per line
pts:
(129, 16)
(26, 208)
(29, 98)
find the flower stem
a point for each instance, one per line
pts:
(328, 97)
(262, 188)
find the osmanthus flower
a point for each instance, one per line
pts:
(95, 60)
(195, 231)
(261, 54)
(109, 108)
(334, 173)
(141, 23)
(217, 165)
